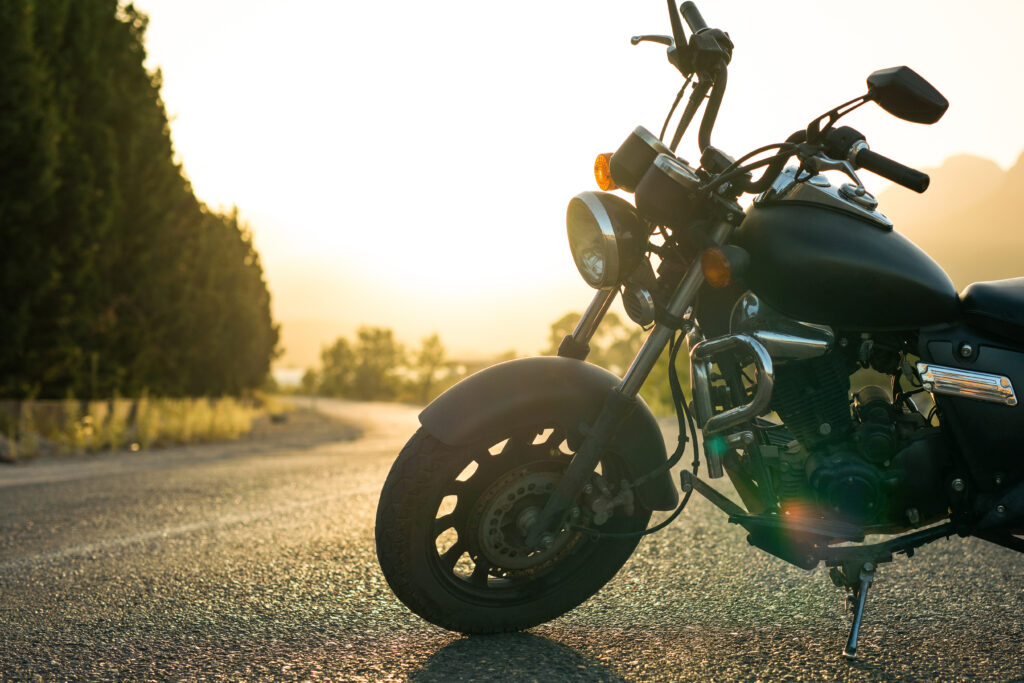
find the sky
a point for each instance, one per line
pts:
(408, 164)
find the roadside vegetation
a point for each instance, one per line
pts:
(124, 297)
(117, 281)
(374, 366)
(31, 428)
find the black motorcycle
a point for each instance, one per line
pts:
(531, 482)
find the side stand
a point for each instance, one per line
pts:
(855, 602)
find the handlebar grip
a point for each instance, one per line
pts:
(692, 16)
(909, 178)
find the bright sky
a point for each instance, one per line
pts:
(408, 164)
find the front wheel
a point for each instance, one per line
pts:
(451, 528)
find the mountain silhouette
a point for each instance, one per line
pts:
(967, 220)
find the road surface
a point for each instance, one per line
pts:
(256, 561)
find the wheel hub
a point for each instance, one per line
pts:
(507, 511)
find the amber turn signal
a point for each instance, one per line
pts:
(714, 263)
(603, 172)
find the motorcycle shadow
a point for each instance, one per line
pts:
(510, 657)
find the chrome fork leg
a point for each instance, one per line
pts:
(577, 344)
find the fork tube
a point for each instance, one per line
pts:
(660, 335)
(594, 314)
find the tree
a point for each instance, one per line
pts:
(379, 358)
(614, 346)
(337, 369)
(116, 278)
(429, 359)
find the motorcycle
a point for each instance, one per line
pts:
(530, 483)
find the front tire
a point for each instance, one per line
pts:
(450, 527)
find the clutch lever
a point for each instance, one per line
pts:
(663, 40)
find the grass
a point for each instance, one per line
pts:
(32, 428)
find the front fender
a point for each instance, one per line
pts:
(509, 396)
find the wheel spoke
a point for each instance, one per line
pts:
(442, 524)
(479, 577)
(556, 437)
(452, 555)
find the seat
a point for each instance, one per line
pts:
(996, 307)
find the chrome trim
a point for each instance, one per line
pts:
(859, 196)
(784, 338)
(856, 149)
(684, 295)
(787, 189)
(701, 360)
(652, 140)
(981, 386)
(604, 224)
(782, 346)
(594, 314)
(676, 170)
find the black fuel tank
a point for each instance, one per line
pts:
(823, 265)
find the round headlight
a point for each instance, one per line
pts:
(607, 237)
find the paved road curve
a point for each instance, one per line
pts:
(247, 562)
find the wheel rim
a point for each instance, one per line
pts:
(476, 545)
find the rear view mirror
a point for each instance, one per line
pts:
(904, 94)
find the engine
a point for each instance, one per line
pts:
(866, 460)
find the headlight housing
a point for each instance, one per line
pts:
(606, 236)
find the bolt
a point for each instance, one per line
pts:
(575, 512)
(999, 480)
(843, 342)
(546, 540)
(966, 350)
(958, 485)
(1000, 509)
(869, 567)
(825, 429)
(588, 489)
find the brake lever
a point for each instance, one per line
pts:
(663, 40)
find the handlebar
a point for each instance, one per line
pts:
(692, 16)
(909, 178)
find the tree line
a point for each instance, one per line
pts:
(374, 366)
(116, 279)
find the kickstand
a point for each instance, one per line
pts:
(856, 603)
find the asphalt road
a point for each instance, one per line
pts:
(256, 561)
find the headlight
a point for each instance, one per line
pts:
(607, 237)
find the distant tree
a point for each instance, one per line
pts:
(428, 361)
(614, 346)
(379, 358)
(337, 369)
(310, 382)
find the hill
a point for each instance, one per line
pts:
(967, 220)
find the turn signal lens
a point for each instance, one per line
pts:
(603, 172)
(716, 267)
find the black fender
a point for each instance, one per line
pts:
(509, 396)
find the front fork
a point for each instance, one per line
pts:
(622, 398)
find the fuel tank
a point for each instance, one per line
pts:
(819, 257)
